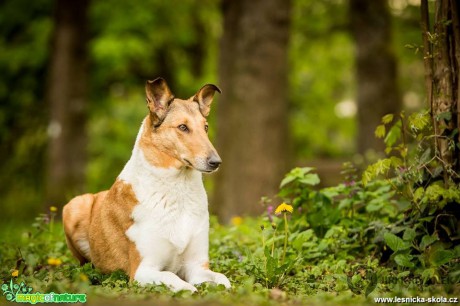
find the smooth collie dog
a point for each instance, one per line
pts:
(153, 223)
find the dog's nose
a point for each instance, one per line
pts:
(214, 161)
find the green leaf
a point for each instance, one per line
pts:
(345, 203)
(428, 274)
(372, 283)
(380, 131)
(300, 174)
(434, 192)
(287, 180)
(305, 170)
(419, 121)
(418, 194)
(394, 134)
(427, 240)
(441, 257)
(387, 118)
(368, 175)
(396, 161)
(409, 234)
(310, 179)
(426, 219)
(302, 237)
(404, 260)
(425, 156)
(447, 116)
(403, 274)
(457, 251)
(355, 279)
(382, 166)
(395, 243)
(375, 205)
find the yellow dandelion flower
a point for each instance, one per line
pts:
(53, 209)
(54, 261)
(236, 220)
(15, 273)
(284, 207)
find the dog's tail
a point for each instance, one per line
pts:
(76, 217)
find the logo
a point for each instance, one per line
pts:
(21, 293)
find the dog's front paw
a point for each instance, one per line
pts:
(181, 286)
(169, 279)
(221, 279)
(211, 277)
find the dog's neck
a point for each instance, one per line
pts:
(148, 159)
(164, 187)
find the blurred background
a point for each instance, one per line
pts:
(304, 83)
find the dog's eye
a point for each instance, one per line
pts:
(206, 128)
(183, 128)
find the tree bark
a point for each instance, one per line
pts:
(445, 54)
(456, 71)
(67, 98)
(443, 87)
(252, 129)
(376, 69)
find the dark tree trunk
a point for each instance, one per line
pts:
(442, 59)
(252, 111)
(67, 97)
(376, 69)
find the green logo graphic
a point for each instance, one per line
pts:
(23, 294)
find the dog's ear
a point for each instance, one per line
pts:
(204, 98)
(158, 96)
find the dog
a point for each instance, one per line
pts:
(153, 223)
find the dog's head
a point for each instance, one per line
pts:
(177, 129)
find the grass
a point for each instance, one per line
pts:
(39, 255)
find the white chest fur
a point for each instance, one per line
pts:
(172, 209)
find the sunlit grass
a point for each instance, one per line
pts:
(40, 258)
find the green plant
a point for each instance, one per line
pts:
(427, 240)
(273, 266)
(353, 211)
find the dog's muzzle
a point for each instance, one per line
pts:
(213, 162)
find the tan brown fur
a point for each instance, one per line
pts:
(109, 221)
(102, 219)
(77, 214)
(158, 146)
(156, 158)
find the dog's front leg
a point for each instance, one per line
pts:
(196, 263)
(149, 269)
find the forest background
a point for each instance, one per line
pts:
(338, 126)
(305, 83)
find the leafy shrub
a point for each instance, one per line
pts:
(426, 241)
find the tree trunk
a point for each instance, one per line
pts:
(67, 97)
(456, 78)
(252, 136)
(376, 69)
(442, 59)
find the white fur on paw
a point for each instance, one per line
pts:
(169, 279)
(182, 286)
(221, 279)
(211, 277)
